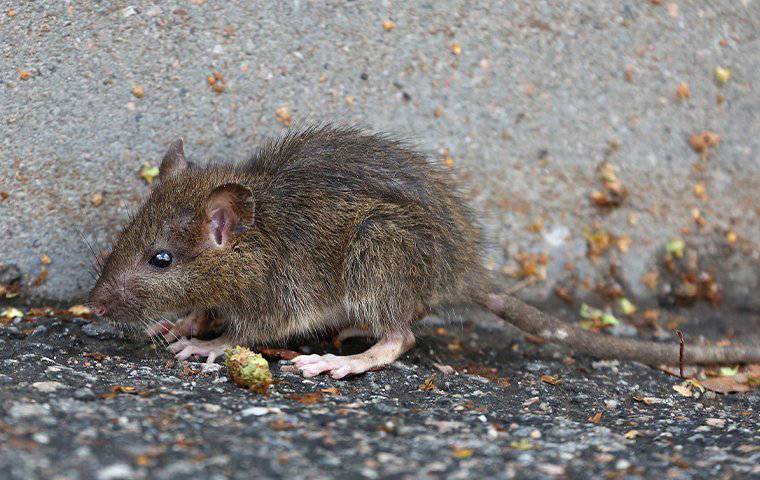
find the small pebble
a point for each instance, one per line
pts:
(85, 394)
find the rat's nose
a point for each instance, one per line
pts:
(99, 310)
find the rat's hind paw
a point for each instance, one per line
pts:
(337, 366)
(391, 346)
(184, 348)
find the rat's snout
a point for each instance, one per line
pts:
(105, 300)
(99, 310)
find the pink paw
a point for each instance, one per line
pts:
(184, 348)
(337, 366)
(189, 326)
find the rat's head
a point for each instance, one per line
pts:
(178, 250)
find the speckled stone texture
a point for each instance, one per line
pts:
(526, 98)
(77, 401)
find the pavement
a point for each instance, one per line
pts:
(473, 399)
(524, 100)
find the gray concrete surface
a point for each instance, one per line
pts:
(551, 74)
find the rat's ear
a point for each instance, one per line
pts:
(229, 209)
(174, 160)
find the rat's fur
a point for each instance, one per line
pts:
(348, 229)
(332, 228)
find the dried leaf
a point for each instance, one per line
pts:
(596, 318)
(279, 353)
(626, 306)
(675, 247)
(10, 313)
(683, 91)
(648, 400)
(462, 452)
(596, 418)
(550, 379)
(685, 391)
(651, 279)
(701, 142)
(632, 434)
(522, 444)
(307, 398)
(598, 241)
(97, 356)
(725, 385)
(283, 116)
(148, 173)
(428, 384)
(722, 75)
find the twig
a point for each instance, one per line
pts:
(680, 352)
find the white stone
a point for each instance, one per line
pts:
(116, 471)
(258, 411)
(22, 410)
(47, 387)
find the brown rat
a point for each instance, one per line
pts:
(325, 228)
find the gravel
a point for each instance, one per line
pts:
(109, 408)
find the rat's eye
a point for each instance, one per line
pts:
(161, 259)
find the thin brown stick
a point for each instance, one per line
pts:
(680, 353)
(535, 322)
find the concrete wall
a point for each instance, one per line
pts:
(526, 97)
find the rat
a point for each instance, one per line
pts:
(327, 228)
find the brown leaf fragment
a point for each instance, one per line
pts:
(595, 418)
(280, 425)
(598, 241)
(702, 142)
(428, 384)
(683, 91)
(651, 279)
(307, 398)
(459, 452)
(648, 400)
(279, 353)
(283, 116)
(725, 385)
(551, 380)
(97, 356)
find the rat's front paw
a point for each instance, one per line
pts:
(194, 324)
(184, 348)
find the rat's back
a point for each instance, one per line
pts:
(377, 225)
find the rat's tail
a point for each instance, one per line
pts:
(535, 322)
